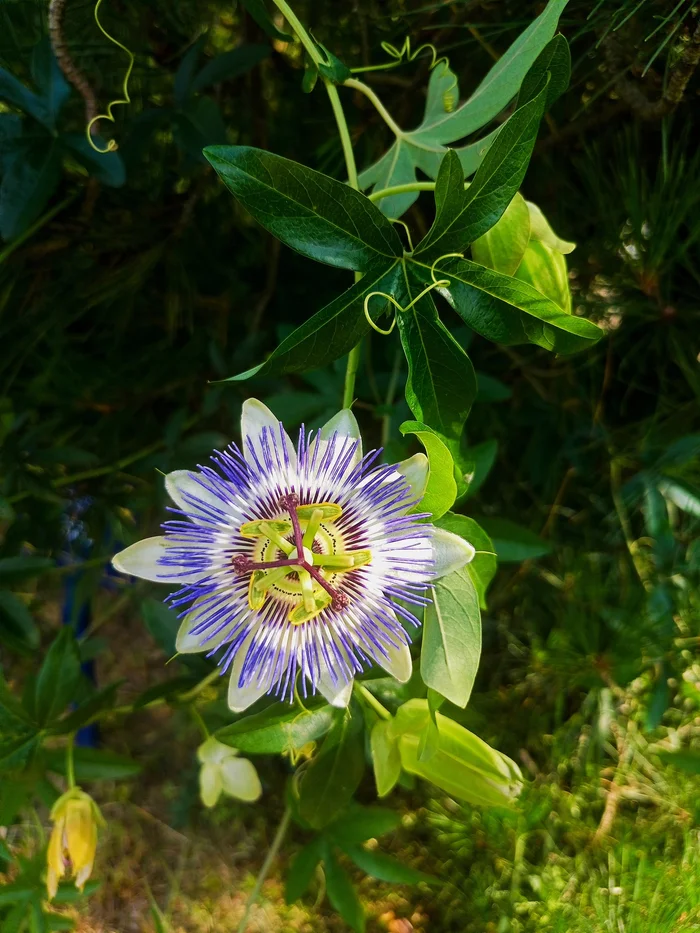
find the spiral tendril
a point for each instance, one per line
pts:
(406, 54)
(112, 144)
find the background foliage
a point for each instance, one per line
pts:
(129, 285)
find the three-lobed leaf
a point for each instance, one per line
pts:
(318, 216)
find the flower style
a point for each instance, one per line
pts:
(301, 561)
(223, 772)
(73, 841)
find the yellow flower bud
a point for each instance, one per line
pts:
(73, 841)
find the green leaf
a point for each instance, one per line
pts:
(555, 60)
(441, 384)
(512, 542)
(386, 758)
(452, 637)
(277, 729)
(197, 124)
(686, 759)
(100, 701)
(385, 868)
(229, 65)
(498, 318)
(258, 11)
(106, 167)
(441, 491)
(333, 68)
(16, 752)
(483, 567)
(334, 774)
(342, 894)
(93, 764)
(19, 568)
(318, 216)
(683, 495)
(27, 185)
(464, 765)
(331, 332)
(463, 215)
(490, 389)
(424, 147)
(17, 624)
(361, 823)
(58, 678)
(302, 870)
(185, 71)
(429, 741)
(503, 246)
(545, 269)
(48, 77)
(14, 92)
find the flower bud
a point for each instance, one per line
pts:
(73, 841)
(224, 772)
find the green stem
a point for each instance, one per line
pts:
(350, 374)
(401, 189)
(70, 762)
(37, 225)
(200, 722)
(298, 28)
(267, 864)
(371, 700)
(379, 106)
(344, 134)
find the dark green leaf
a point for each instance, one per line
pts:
(17, 621)
(302, 870)
(441, 491)
(452, 637)
(463, 215)
(58, 678)
(198, 124)
(14, 92)
(480, 459)
(360, 823)
(229, 65)
(100, 701)
(166, 690)
(16, 892)
(19, 568)
(48, 77)
(185, 71)
(484, 565)
(27, 185)
(490, 389)
(386, 868)
(331, 332)
(106, 167)
(258, 11)
(277, 729)
(513, 543)
(342, 894)
(15, 752)
(555, 60)
(93, 764)
(334, 774)
(316, 215)
(441, 384)
(543, 322)
(686, 759)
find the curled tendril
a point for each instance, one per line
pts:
(436, 283)
(405, 53)
(111, 145)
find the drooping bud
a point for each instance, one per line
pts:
(73, 843)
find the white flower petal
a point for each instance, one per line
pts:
(240, 698)
(141, 560)
(450, 552)
(399, 663)
(213, 752)
(255, 418)
(188, 643)
(416, 471)
(181, 484)
(240, 779)
(345, 425)
(210, 784)
(339, 693)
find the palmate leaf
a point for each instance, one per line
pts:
(318, 216)
(424, 147)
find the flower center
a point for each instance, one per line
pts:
(299, 557)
